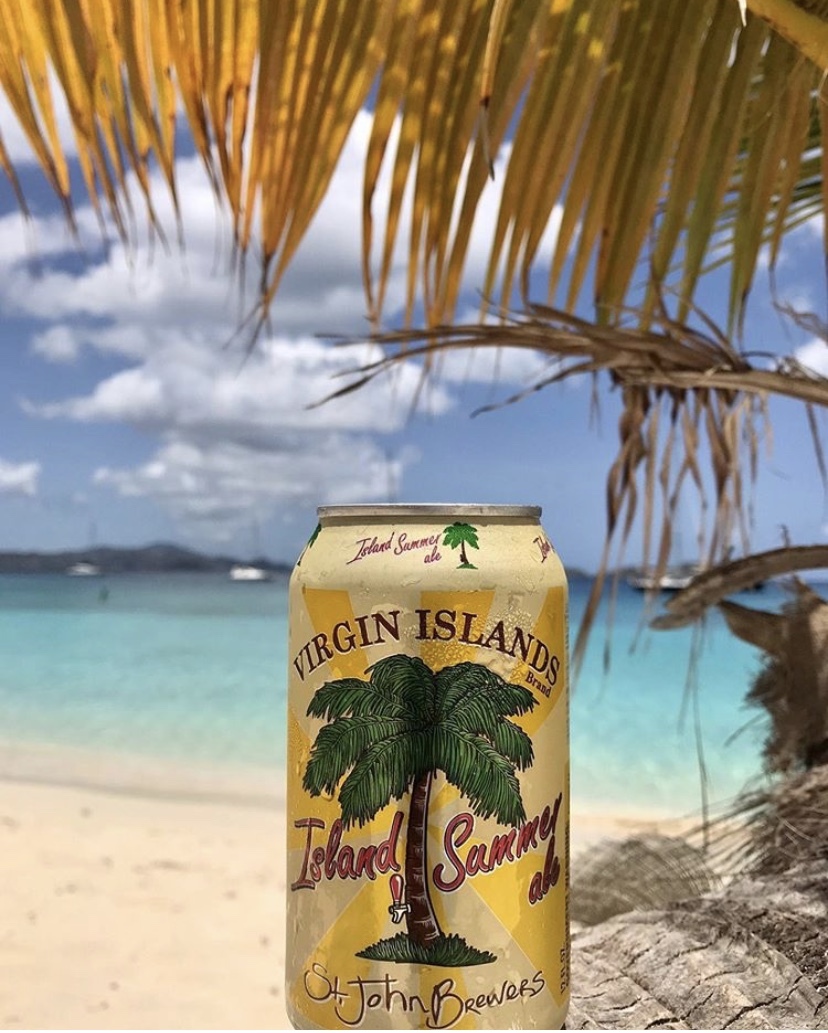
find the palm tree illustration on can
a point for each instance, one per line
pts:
(388, 737)
(460, 534)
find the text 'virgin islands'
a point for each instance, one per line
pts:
(374, 629)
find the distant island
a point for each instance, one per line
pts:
(159, 558)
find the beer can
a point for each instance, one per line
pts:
(428, 772)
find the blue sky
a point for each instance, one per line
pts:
(126, 417)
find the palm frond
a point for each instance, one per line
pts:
(511, 741)
(384, 772)
(483, 775)
(339, 745)
(667, 869)
(684, 391)
(409, 681)
(463, 689)
(352, 695)
(460, 534)
(479, 714)
(662, 133)
(712, 586)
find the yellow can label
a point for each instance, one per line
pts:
(427, 802)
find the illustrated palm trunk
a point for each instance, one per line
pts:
(463, 557)
(423, 928)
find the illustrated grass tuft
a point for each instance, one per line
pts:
(447, 951)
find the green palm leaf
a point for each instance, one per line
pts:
(352, 695)
(339, 745)
(458, 534)
(483, 776)
(383, 773)
(513, 743)
(480, 715)
(459, 688)
(408, 680)
(407, 721)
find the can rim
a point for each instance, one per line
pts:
(419, 509)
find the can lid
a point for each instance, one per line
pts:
(426, 509)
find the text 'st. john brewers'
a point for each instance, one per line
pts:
(428, 772)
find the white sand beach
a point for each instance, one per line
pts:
(122, 910)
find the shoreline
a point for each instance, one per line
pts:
(34, 762)
(143, 908)
(139, 775)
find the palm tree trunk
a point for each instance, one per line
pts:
(463, 557)
(423, 928)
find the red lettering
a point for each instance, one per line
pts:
(504, 848)
(527, 836)
(337, 861)
(547, 822)
(501, 848)
(476, 861)
(304, 882)
(542, 882)
(332, 847)
(452, 839)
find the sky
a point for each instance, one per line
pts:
(130, 414)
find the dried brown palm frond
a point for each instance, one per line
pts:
(684, 392)
(792, 687)
(785, 824)
(637, 874)
(774, 829)
(665, 133)
(792, 826)
(714, 585)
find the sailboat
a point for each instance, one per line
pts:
(247, 572)
(251, 571)
(85, 568)
(674, 579)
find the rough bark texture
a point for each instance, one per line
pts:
(643, 873)
(752, 956)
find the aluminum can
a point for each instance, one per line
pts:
(428, 772)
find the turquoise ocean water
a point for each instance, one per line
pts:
(191, 671)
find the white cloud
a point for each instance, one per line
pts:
(224, 488)
(814, 355)
(57, 344)
(492, 365)
(18, 478)
(234, 432)
(238, 441)
(207, 393)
